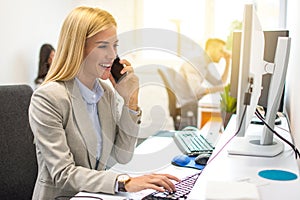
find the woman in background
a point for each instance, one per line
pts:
(74, 117)
(46, 56)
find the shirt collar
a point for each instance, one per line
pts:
(90, 96)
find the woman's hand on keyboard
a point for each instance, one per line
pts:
(159, 182)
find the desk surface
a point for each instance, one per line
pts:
(234, 168)
(155, 154)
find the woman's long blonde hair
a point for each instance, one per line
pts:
(82, 23)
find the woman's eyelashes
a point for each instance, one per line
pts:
(103, 46)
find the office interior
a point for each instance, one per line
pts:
(26, 25)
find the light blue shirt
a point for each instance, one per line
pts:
(91, 98)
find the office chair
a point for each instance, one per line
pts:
(18, 169)
(183, 104)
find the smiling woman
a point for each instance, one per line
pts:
(73, 114)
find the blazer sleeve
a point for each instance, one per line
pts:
(126, 134)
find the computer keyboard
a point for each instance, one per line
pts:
(192, 144)
(183, 188)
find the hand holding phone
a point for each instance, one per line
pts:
(129, 88)
(116, 69)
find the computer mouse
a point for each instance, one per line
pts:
(181, 160)
(202, 159)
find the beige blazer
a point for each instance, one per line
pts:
(66, 141)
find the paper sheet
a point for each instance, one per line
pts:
(231, 190)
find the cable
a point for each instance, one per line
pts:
(289, 125)
(297, 154)
(73, 197)
(235, 134)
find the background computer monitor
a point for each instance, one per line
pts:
(251, 68)
(271, 38)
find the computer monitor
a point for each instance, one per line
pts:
(251, 69)
(271, 39)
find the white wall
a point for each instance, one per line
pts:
(293, 76)
(26, 25)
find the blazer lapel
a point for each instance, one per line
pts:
(106, 123)
(82, 119)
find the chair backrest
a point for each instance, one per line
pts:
(174, 111)
(182, 100)
(18, 169)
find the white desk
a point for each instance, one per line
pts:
(156, 153)
(232, 168)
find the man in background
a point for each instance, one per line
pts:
(205, 76)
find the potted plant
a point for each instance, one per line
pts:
(228, 105)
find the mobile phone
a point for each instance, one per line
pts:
(116, 69)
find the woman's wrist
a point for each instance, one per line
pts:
(133, 107)
(132, 104)
(137, 112)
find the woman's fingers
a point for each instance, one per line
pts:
(159, 182)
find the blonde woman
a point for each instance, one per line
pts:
(74, 118)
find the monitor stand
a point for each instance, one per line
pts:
(250, 146)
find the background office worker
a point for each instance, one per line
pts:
(205, 78)
(74, 118)
(46, 56)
